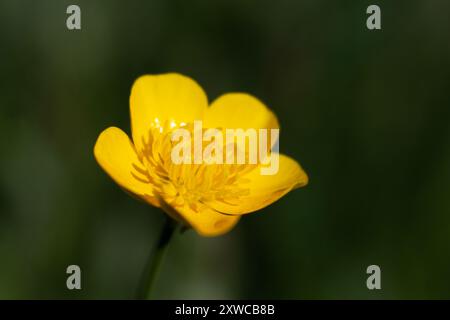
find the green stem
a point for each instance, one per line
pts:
(153, 265)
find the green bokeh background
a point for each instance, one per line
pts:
(367, 114)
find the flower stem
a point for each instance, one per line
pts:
(153, 265)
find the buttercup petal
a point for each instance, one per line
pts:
(115, 153)
(239, 110)
(265, 189)
(205, 221)
(161, 100)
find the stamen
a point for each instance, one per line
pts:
(191, 184)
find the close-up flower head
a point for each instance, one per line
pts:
(209, 197)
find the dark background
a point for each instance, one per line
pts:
(366, 113)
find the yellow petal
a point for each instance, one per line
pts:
(115, 153)
(239, 110)
(206, 222)
(265, 189)
(163, 99)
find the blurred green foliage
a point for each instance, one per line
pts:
(367, 113)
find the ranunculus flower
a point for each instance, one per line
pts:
(210, 198)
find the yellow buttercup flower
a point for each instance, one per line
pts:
(210, 198)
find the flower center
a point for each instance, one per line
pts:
(189, 184)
